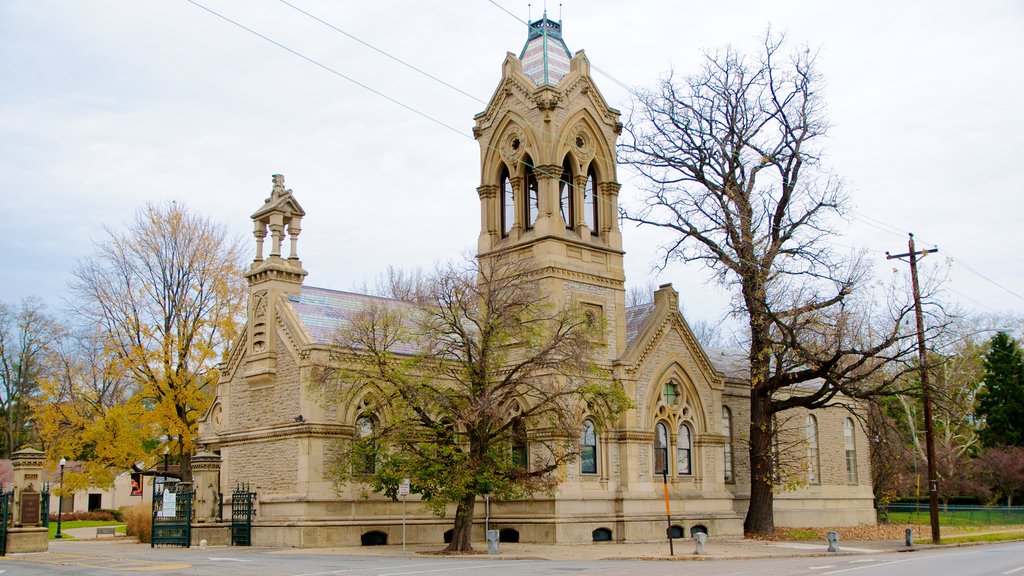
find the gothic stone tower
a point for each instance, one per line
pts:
(548, 188)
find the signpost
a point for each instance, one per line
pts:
(403, 492)
(170, 503)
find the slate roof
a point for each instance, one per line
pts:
(324, 312)
(636, 318)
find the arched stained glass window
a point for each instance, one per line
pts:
(588, 448)
(813, 465)
(684, 446)
(727, 432)
(520, 448)
(660, 448)
(850, 445)
(365, 447)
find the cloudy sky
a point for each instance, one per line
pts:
(106, 105)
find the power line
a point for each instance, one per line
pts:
(381, 52)
(332, 70)
(864, 218)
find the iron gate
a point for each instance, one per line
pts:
(5, 507)
(243, 501)
(172, 514)
(44, 506)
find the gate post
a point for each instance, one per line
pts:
(206, 475)
(26, 532)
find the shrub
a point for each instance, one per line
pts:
(116, 514)
(139, 520)
(101, 515)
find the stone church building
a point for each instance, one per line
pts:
(548, 191)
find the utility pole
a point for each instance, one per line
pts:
(929, 439)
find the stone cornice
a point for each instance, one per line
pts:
(289, 431)
(630, 435)
(710, 440)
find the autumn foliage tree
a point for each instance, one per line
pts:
(89, 411)
(732, 166)
(167, 294)
(476, 384)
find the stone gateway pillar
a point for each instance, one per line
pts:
(27, 534)
(206, 480)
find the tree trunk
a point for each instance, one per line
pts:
(185, 466)
(463, 531)
(760, 514)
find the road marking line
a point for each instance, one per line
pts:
(1014, 570)
(344, 570)
(445, 569)
(872, 566)
(229, 560)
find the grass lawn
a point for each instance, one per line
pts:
(989, 537)
(65, 524)
(992, 517)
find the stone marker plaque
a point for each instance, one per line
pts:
(29, 508)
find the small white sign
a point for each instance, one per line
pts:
(403, 488)
(170, 504)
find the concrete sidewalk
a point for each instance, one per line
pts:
(725, 548)
(715, 549)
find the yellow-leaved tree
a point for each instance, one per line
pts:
(167, 294)
(89, 411)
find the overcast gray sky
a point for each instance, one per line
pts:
(108, 104)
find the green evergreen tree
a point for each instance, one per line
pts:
(1001, 400)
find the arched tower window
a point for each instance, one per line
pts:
(566, 196)
(532, 195)
(588, 448)
(813, 465)
(684, 446)
(508, 204)
(727, 432)
(850, 444)
(591, 202)
(660, 448)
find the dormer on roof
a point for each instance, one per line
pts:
(545, 56)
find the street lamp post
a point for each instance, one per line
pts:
(60, 498)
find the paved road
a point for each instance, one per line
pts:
(100, 559)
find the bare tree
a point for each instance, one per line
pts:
(1001, 470)
(478, 386)
(26, 334)
(732, 161)
(168, 294)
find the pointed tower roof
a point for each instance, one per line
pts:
(545, 56)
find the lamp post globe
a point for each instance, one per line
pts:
(60, 498)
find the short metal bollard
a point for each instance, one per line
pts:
(701, 538)
(833, 541)
(492, 541)
(909, 538)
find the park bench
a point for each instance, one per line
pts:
(106, 530)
